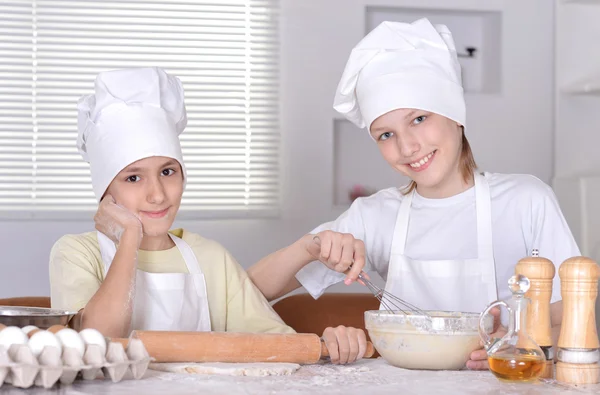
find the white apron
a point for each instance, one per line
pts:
(166, 301)
(466, 285)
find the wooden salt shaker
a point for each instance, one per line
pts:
(578, 346)
(540, 272)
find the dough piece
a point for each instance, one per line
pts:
(229, 369)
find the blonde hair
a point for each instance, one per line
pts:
(467, 164)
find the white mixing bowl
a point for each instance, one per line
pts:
(442, 342)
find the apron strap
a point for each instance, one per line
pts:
(188, 255)
(108, 249)
(485, 245)
(401, 228)
(483, 205)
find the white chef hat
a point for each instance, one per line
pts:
(402, 65)
(134, 114)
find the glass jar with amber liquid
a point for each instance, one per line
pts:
(515, 357)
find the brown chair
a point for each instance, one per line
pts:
(307, 315)
(26, 301)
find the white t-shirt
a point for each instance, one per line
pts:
(525, 216)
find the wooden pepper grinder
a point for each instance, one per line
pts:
(578, 346)
(540, 272)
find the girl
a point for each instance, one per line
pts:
(133, 273)
(450, 239)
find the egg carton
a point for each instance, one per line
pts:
(19, 367)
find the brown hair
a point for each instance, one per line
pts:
(467, 163)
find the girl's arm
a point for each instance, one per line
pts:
(274, 275)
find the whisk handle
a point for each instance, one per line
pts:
(368, 353)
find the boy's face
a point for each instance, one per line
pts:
(151, 188)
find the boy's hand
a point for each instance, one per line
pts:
(345, 344)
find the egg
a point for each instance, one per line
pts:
(56, 328)
(29, 328)
(33, 332)
(71, 339)
(93, 337)
(43, 339)
(12, 335)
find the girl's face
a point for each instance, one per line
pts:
(150, 188)
(424, 146)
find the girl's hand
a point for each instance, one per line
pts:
(339, 252)
(479, 358)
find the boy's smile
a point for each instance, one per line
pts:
(151, 188)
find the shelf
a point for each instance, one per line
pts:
(587, 87)
(477, 35)
(590, 2)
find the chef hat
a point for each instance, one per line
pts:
(133, 114)
(402, 65)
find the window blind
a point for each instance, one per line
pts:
(224, 51)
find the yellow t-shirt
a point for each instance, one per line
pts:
(236, 305)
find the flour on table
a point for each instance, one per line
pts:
(229, 369)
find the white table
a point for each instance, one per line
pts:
(366, 377)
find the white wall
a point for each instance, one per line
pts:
(510, 131)
(578, 88)
(577, 74)
(577, 119)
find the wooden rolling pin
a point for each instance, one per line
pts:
(234, 347)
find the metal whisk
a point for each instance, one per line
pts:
(389, 301)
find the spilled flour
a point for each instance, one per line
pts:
(364, 377)
(229, 369)
(256, 369)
